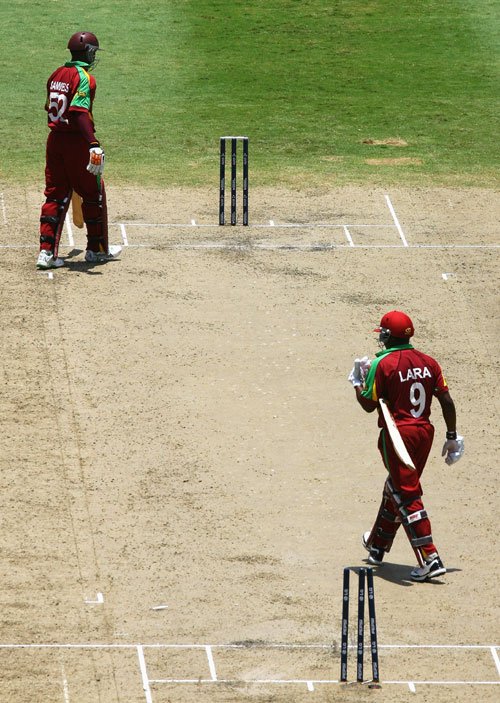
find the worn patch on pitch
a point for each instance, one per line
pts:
(392, 141)
(408, 161)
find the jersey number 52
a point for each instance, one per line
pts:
(58, 102)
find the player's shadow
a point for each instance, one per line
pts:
(83, 266)
(400, 574)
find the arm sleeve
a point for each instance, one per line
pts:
(81, 119)
(82, 99)
(441, 385)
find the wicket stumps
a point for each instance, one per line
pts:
(365, 576)
(222, 187)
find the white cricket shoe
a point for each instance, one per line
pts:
(433, 567)
(46, 260)
(376, 553)
(94, 257)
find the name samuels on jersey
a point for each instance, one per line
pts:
(60, 86)
(414, 374)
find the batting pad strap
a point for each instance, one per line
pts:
(409, 499)
(392, 493)
(50, 219)
(385, 535)
(421, 541)
(390, 517)
(47, 239)
(414, 517)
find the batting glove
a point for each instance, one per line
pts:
(357, 377)
(96, 161)
(453, 450)
(365, 364)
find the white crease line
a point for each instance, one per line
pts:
(443, 683)
(315, 225)
(276, 645)
(249, 681)
(271, 225)
(275, 246)
(412, 687)
(396, 221)
(65, 684)
(211, 663)
(496, 659)
(99, 600)
(77, 646)
(348, 236)
(155, 681)
(310, 686)
(124, 235)
(144, 675)
(69, 229)
(437, 646)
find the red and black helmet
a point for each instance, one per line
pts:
(84, 43)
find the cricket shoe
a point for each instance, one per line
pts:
(433, 567)
(46, 260)
(96, 257)
(376, 553)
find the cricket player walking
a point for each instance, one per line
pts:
(74, 156)
(407, 380)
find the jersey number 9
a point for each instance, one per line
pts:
(417, 399)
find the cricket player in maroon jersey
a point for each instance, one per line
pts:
(74, 157)
(407, 379)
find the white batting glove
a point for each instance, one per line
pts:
(365, 364)
(357, 375)
(96, 160)
(453, 450)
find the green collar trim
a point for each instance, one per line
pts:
(392, 349)
(370, 378)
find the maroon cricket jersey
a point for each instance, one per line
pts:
(407, 379)
(70, 90)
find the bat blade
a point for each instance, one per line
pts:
(396, 439)
(76, 207)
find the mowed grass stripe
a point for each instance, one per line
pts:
(309, 82)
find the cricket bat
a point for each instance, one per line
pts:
(76, 207)
(396, 439)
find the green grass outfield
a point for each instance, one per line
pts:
(309, 81)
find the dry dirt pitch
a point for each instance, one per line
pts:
(183, 461)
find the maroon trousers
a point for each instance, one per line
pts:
(67, 156)
(402, 497)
